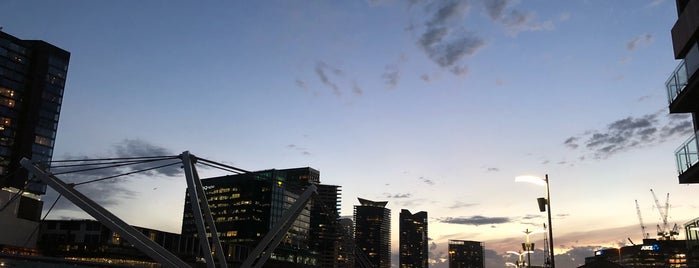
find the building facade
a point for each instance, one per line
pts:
(653, 253)
(466, 254)
(326, 232)
(346, 256)
(413, 240)
(683, 85)
(245, 207)
(372, 232)
(32, 79)
(90, 241)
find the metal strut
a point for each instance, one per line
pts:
(266, 247)
(136, 238)
(197, 198)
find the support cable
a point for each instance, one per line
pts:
(125, 174)
(112, 166)
(224, 165)
(111, 159)
(42, 220)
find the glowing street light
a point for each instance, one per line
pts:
(543, 203)
(527, 246)
(520, 257)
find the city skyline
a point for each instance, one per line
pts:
(435, 105)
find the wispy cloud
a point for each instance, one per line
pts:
(629, 133)
(638, 40)
(475, 220)
(444, 40)
(493, 169)
(298, 149)
(398, 195)
(515, 20)
(323, 70)
(426, 181)
(459, 204)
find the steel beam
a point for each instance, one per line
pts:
(126, 231)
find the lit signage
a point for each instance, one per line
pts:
(598, 253)
(208, 187)
(653, 247)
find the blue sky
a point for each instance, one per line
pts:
(430, 105)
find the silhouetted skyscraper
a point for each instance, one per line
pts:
(466, 254)
(245, 208)
(372, 231)
(325, 231)
(413, 239)
(32, 78)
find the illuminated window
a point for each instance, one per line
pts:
(7, 92)
(7, 102)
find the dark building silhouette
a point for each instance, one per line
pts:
(326, 231)
(466, 254)
(653, 253)
(413, 241)
(691, 230)
(32, 79)
(683, 85)
(347, 246)
(246, 206)
(90, 241)
(372, 232)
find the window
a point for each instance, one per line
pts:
(7, 102)
(43, 141)
(7, 92)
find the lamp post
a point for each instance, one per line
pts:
(520, 257)
(527, 246)
(543, 203)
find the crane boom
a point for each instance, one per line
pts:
(640, 220)
(662, 231)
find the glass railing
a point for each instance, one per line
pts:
(677, 82)
(688, 154)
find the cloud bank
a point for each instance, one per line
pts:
(630, 133)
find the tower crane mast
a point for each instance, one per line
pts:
(640, 220)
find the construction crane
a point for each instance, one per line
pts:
(663, 232)
(640, 220)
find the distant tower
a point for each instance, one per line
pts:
(346, 257)
(466, 254)
(32, 78)
(325, 231)
(413, 239)
(372, 231)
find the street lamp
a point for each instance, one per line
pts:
(543, 202)
(527, 246)
(520, 257)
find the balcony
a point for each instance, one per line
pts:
(683, 88)
(687, 157)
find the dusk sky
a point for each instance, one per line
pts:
(430, 105)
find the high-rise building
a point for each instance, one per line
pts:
(372, 231)
(466, 254)
(346, 257)
(245, 207)
(683, 85)
(325, 231)
(413, 242)
(32, 78)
